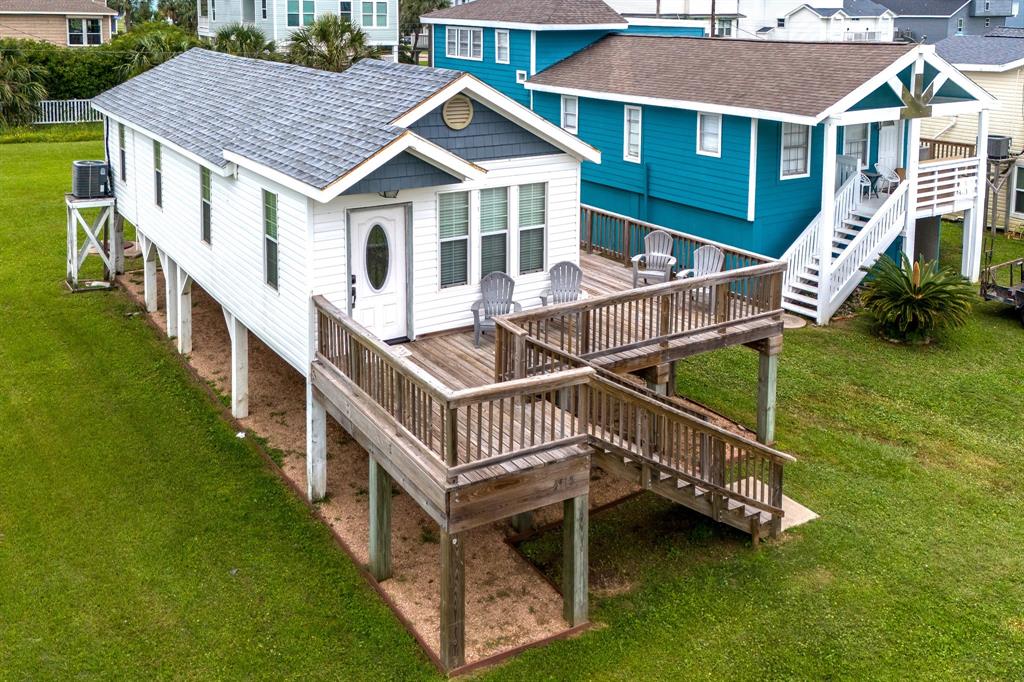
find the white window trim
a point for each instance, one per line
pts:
(472, 231)
(520, 229)
(471, 29)
(263, 9)
(782, 150)
(625, 134)
(521, 76)
(373, 14)
(508, 46)
(575, 128)
(867, 141)
(480, 234)
(267, 238)
(1018, 169)
(701, 115)
(85, 31)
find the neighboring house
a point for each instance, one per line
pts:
(279, 18)
(76, 23)
(848, 21)
(929, 21)
(725, 138)
(994, 61)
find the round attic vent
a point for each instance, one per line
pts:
(458, 112)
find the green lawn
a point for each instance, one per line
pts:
(139, 537)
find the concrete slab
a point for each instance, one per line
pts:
(796, 514)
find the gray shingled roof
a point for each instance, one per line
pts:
(863, 8)
(797, 78)
(1006, 32)
(311, 125)
(994, 51)
(924, 8)
(565, 12)
(55, 6)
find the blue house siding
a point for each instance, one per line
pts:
(489, 136)
(554, 46)
(405, 171)
(784, 207)
(501, 77)
(691, 31)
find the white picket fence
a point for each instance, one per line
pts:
(66, 111)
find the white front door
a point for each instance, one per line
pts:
(889, 146)
(378, 271)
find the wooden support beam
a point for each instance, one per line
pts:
(575, 561)
(453, 601)
(524, 522)
(380, 521)
(117, 244)
(767, 380)
(239, 365)
(316, 446)
(148, 272)
(184, 312)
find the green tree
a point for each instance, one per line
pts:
(21, 88)
(409, 21)
(329, 43)
(151, 44)
(181, 13)
(244, 41)
(134, 11)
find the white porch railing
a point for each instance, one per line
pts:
(801, 255)
(885, 225)
(946, 186)
(66, 111)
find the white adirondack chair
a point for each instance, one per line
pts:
(655, 264)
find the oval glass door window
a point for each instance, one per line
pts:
(378, 257)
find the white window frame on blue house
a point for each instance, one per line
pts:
(627, 133)
(783, 175)
(457, 32)
(716, 151)
(570, 119)
(865, 141)
(960, 26)
(502, 41)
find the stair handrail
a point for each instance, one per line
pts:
(801, 252)
(872, 239)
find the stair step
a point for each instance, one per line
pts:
(793, 296)
(862, 214)
(805, 286)
(847, 231)
(800, 309)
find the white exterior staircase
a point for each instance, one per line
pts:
(859, 234)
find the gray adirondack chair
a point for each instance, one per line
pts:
(707, 260)
(656, 262)
(495, 299)
(566, 284)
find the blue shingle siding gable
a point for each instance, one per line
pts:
(405, 171)
(501, 77)
(489, 136)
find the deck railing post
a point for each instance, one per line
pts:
(627, 230)
(451, 428)
(590, 230)
(519, 356)
(776, 491)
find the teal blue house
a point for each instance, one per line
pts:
(809, 152)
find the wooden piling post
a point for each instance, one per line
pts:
(380, 521)
(184, 312)
(575, 560)
(453, 601)
(149, 273)
(767, 380)
(316, 446)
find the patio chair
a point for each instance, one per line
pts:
(707, 260)
(495, 299)
(656, 262)
(867, 187)
(887, 178)
(566, 284)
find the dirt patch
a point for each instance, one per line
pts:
(508, 602)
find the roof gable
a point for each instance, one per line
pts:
(54, 7)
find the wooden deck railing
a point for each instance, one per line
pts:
(944, 149)
(464, 430)
(620, 237)
(639, 317)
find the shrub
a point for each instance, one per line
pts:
(329, 43)
(244, 41)
(911, 302)
(21, 88)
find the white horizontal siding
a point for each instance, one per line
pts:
(434, 308)
(1008, 119)
(230, 269)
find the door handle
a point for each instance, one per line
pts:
(352, 293)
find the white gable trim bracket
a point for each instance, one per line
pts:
(222, 171)
(406, 142)
(508, 108)
(916, 58)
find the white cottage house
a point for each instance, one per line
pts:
(268, 183)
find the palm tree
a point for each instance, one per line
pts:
(21, 88)
(329, 43)
(155, 48)
(244, 41)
